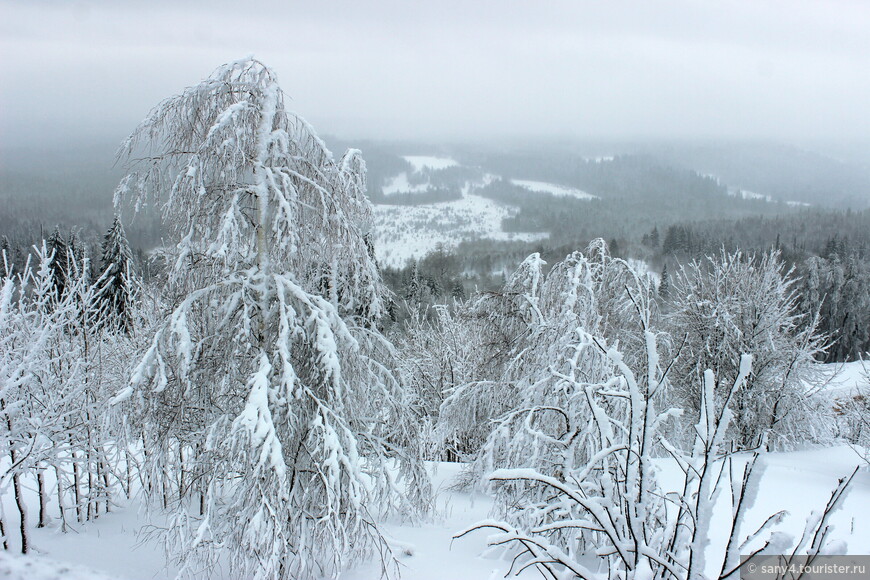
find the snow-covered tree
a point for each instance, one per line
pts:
(577, 473)
(267, 420)
(736, 304)
(117, 285)
(435, 355)
(528, 329)
(61, 261)
(52, 391)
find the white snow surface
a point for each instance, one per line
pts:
(557, 190)
(410, 232)
(746, 194)
(18, 567)
(404, 232)
(798, 482)
(400, 184)
(842, 379)
(420, 162)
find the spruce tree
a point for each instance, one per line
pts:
(116, 284)
(60, 262)
(665, 284)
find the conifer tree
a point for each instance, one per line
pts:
(665, 283)
(116, 286)
(60, 262)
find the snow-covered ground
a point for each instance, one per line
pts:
(405, 232)
(842, 379)
(420, 162)
(113, 545)
(747, 194)
(552, 188)
(798, 482)
(400, 184)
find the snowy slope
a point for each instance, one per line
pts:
(420, 162)
(405, 232)
(400, 184)
(16, 567)
(551, 188)
(747, 194)
(798, 482)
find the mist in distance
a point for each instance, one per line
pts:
(794, 72)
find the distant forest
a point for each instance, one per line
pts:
(665, 206)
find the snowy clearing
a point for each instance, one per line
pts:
(846, 378)
(552, 188)
(420, 162)
(400, 184)
(406, 232)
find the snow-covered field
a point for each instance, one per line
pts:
(552, 188)
(845, 378)
(400, 184)
(420, 162)
(403, 232)
(798, 482)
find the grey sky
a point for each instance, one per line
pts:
(791, 70)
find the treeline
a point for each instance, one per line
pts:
(635, 194)
(829, 250)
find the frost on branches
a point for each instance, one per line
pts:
(268, 425)
(55, 371)
(534, 332)
(573, 462)
(748, 304)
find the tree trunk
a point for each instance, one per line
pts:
(22, 509)
(77, 492)
(3, 534)
(129, 483)
(107, 496)
(61, 508)
(43, 498)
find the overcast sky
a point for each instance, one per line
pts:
(789, 70)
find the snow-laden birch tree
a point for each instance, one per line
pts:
(528, 333)
(733, 304)
(573, 464)
(266, 423)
